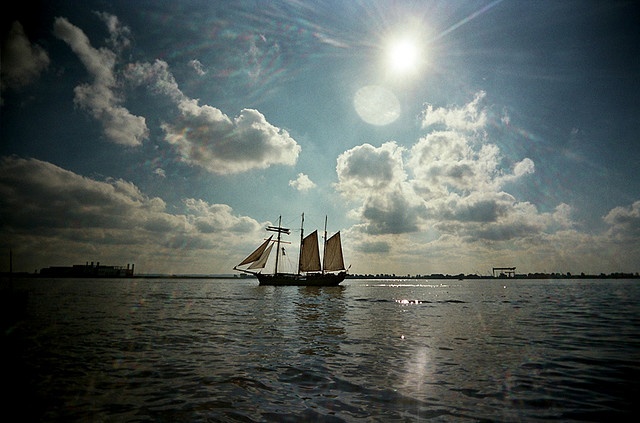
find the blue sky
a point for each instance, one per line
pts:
(438, 137)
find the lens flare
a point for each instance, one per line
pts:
(376, 105)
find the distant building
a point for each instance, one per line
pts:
(504, 272)
(88, 271)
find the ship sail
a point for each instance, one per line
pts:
(311, 270)
(257, 254)
(262, 261)
(333, 260)
(310, 254)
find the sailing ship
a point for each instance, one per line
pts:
(310, 271)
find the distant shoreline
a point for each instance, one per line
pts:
(616, 275)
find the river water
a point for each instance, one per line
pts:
(192, 350)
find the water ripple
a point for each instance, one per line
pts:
(210, 351)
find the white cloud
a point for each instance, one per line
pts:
(204, 136)
(22, 62)
(102, 98)
(201, 134)
(444, 197)
(376, 177)
(218, 218)
(365, 169)
(471, 117)
(302, 183)
(198, 67)
(445, 161)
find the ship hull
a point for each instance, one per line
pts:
(313, 279)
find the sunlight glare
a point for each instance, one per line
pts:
(404, 56)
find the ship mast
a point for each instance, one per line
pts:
(301, 242)
(324, 248)
(280, 230)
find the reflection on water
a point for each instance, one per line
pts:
(193, 350)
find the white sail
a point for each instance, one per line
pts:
(333, 260)
(257, 254)
(310, 254)
(262, 261)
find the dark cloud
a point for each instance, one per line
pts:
(624, 221)
(44, 207)
(22, 61)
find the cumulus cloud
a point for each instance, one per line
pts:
(449, 184)
(624, 222)
(376, 177)
(202, 135)
(103, 97)
(394, 212)
(206, 137)
(44, 206)
(210, 218)
(443, 203)
(22, 61)
(302, 183)
(365, 169)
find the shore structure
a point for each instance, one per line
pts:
(88, 271)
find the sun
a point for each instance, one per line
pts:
(404, 56)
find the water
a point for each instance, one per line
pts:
(171, 350)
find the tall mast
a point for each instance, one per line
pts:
(324, 248)
(301, 240)
(278, 245)
(279, 229)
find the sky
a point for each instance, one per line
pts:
(436, 136)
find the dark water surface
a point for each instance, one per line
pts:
(171, 350)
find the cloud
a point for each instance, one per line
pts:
(442, 203)
(446, 161)
(470, 117)
(394, 212)
(210, 218)
(376, 247)
(365, 169)
(376, 176)
(22, 62)
(118, 34)
(103, 97)
(302, 183)
(450, 181)
(44, 207)
(52, 199)
(204, 136)
(624, 222)
(197, 66)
